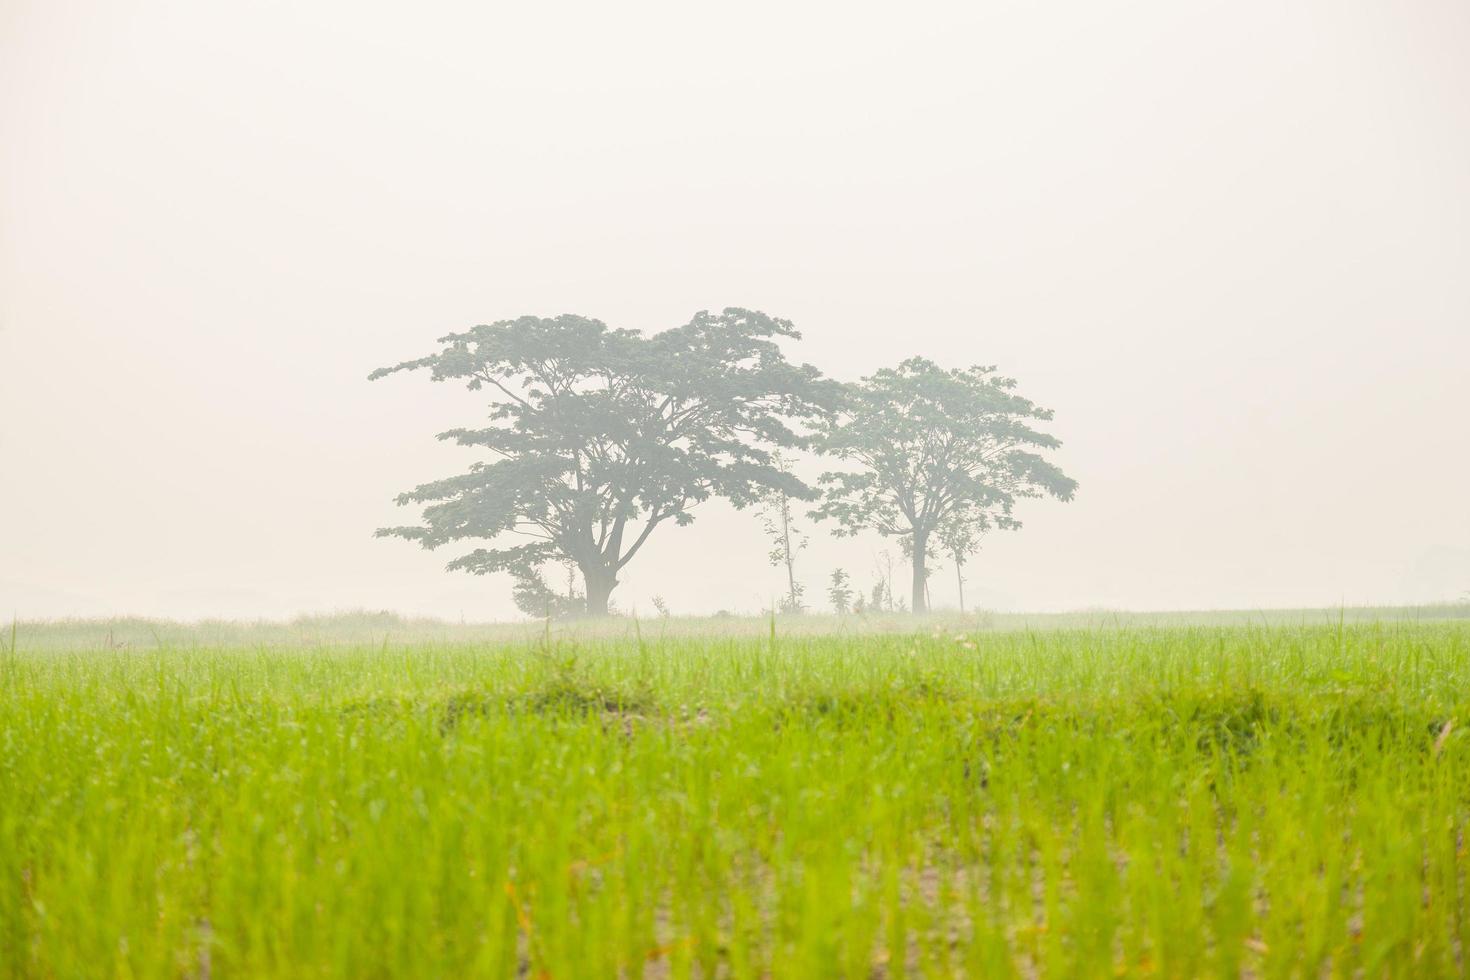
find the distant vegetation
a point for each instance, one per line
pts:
(600, 436)
(380, 629)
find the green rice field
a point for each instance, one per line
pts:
(1267, 799)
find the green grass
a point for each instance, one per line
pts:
(1261, 800)
(374, 628)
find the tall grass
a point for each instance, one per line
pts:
(1194, 801)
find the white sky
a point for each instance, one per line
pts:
(1228, 242)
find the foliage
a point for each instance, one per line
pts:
(538, 600)
(934, 445)
(958, 534)
(839, 592)
(600, 436)
(790, 604)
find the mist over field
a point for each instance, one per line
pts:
(751, 491)
(1224, 243)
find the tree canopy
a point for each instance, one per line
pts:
(597, 437)
(935, 450)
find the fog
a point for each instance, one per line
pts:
(1226, 242)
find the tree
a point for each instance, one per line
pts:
(598, 437)
(931, 442)
(786, 540)
(959, 536)
(960, 539)
(839, 592)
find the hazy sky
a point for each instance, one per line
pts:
(1229, 243)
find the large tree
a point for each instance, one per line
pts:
(597, 437)
(932, 446)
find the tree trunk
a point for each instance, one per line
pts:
(921, 576)
(959, 577)
(600, 583)
(789, 558)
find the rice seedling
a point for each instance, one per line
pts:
(1193, 800)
